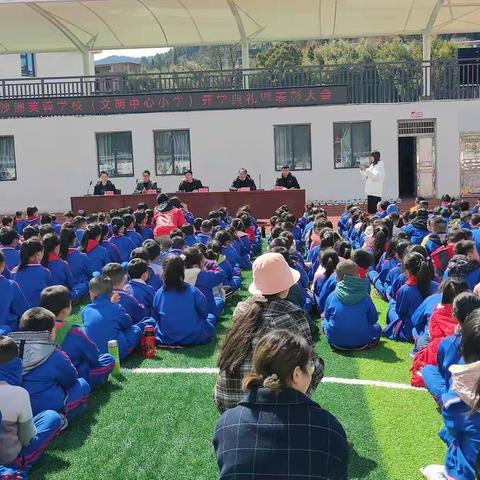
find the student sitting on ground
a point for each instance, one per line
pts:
(123, 243)
(442, 324)
(83, 353)
(417, 228)
(437, 379)
(276, 426)
(205, 232)
(80, 264)
(204, 280)
(232, 280)
(461, 411)
(137, 285)
(9, 242)
(154, 279)
(418, 286)
(113, 254)
(177, 244)
(442, 256)
(48, 374)
(189, 235)
(181, 309)
(437, 226)
(384, 287)
(130, 232)
(264, 311)
(104, 320)
(465, 263)
(324, 284)
(13, 303)
(350, 321)
(23, 438)
(90, 245)
(30, 275)
(132, 306)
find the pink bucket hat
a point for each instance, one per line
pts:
(272, 275)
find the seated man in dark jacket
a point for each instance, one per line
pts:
(189, 184)
(287, 180)
(243, 181)
(104, 185)
(145, 184)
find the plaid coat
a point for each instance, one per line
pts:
(279, 435)
(277, 314)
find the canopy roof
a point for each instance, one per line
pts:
(65, 25)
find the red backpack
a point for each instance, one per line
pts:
(440, 258)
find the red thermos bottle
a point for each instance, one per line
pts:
(148, 342)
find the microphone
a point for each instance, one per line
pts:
(88, 190)
(259, 181)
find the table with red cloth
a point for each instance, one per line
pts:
(263, 203)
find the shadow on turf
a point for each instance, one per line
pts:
(381, 353)
(360, 467)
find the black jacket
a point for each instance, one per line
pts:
(288, 182)
(190, 187)
(145, 186)
(100, 189)
(248, 182)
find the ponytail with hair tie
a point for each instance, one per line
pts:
(272, 382)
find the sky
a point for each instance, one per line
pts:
(136, 52)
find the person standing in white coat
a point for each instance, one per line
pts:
(374, 175)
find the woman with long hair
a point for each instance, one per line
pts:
(374, 176)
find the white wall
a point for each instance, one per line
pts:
(47, 65)
(56, 157)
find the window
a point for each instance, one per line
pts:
(8, 169)
(114, 153)
(27, 64)
(293, 147)
(351, 144)
(172, 151)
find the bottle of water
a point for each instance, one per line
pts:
(113, 350)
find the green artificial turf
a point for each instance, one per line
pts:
(159, 426)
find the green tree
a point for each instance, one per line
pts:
(280, 55)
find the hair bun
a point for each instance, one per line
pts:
(272, 381)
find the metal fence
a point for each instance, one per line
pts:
(390, 82)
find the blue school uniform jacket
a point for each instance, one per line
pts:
(79, 233)
(80, 266)
(47, 384)
(205, 281)
(113, 254)
(104, 320)
(190, 240)
(61, 273)
(99, 257)
(154, 280)
(13, 305)
(379, 275)
(203, 238)
(351, 326)
(231, 255)
(124, 245)
(182, 316)
(135, 237)
(461, 433)
(131, 305)
(19, 226)
(147, 232)
(416, 235)
(32, 280)
(144, 294)
(231, 280)
(421, 316)
(449, 353)
(12, 257)
(472, 278)
(322, 289)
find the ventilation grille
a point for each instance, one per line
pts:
(416, 127)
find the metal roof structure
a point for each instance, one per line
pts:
(92, 25)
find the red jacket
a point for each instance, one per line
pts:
(165, 222)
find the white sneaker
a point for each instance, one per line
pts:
(64, 423)
(434, 472)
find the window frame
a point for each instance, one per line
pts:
(34, 65)
(279, 169)
(14, 179)
(369, 122)
(116, 174)
(157, 173)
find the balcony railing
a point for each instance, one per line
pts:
(390, 82)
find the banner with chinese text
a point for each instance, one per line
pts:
(174, 102)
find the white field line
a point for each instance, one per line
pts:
(212, 371)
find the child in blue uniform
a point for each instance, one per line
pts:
(104, 320)
(124, 244)
(437, 379)
(155, 263)
(48, 374)
(461, 410)
(90, 245)
(23, 437)
(13, 303)
(465, 263)
(189, 235)
(204, 280)
(130, 232)
(83, 353)
(137, 285)
(350, 316)
(8, 246)
(30, 275)
(154, 280)
(416, 230)
(182, 310)
(205, 234)
(325, 283)
(384, 287)
(418, 287)
(437, 226)
(79, 263)
(387, 261)
(32, 219)
(233, 280)
(113, 254)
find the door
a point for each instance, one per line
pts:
(469, 163)
(407, 167)
(426, 166)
